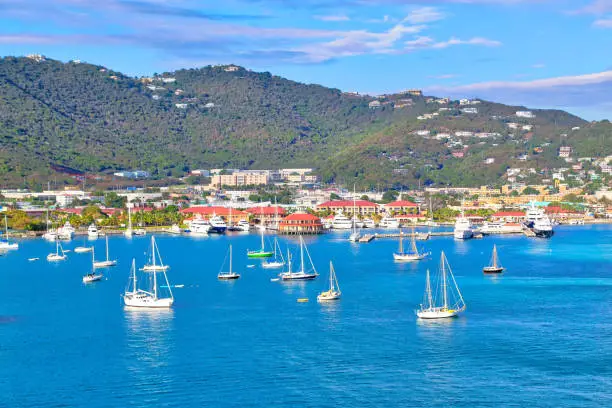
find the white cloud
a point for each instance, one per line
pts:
(473, 41)
(538, 66)
(339, 17)
(422, 15)
(603, 23)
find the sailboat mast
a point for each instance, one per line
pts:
(413, 243)
(230, 259)
(288, 261)
(153, 250)
(107, 247)
(331, 276)
(134, 273)
(155, 283)
(401, 242)
(302, 253)
(262, 241)
(442, 261)
(428, 292)
(495, 256)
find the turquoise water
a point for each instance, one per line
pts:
(540, 335)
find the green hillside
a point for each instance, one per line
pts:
(92, 119)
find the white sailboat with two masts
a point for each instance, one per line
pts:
(411, 255)
(155, 263)
(303, 274)
(333, 293)
(445, 299)
(147, 296)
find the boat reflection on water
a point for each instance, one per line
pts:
(149, 334)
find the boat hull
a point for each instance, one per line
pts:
(54, 258)
(463, 234)
(272, 265)
(298, 277)
(260, 254)
(492, 269)
(228, 276)
(409, 257)
(145, 302)
(328, 296)
(437, 314)
(543, 233)
(104, 264)
(92, 278)
(217, 230)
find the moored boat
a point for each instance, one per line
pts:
(495, 265)
(303, 273)
(136, 297)
(446, 301)
(333, 293)
(229, 275)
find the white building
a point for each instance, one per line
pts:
(469, 110)
(525, 114)
(181, 105)
(463, 133)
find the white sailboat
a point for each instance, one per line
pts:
(128, 231)
(355, 235)
(92, 276)
(153, 265)
(333, 293)
(49, 235)
(5, 244)
(83, 249)
(229, 275)
(303, 273)
(135, 297)
(59, 254)
(275, 262)
(495, 266)
(446, 300)
(413, 254)
(108, 262)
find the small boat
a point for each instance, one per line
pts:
(174, 229)
(333, 293)
(92, 276)
(230, 275)
(49, 235)
(302, 274)
(128, 231)
(250, 266)
(463, 226)
(59, 254)
(413, 254)
(150, 298)
(260, 253)
(369, 223)
(140, 231)
(302, 300)
(438, 305)
(108, 262)
(389, 222)
(5, 244)
(33, 259)
(199, 226)
(495, 265)
(82, 249)
(92, 231)
(153, 265)
(275, 262)
(242, 226)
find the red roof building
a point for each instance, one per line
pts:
(401, 206)
(362, 207)
(300, 223)
(269, 216)
(558, 213)
(207, 212)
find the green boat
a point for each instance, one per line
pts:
(260, 253)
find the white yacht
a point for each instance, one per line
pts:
(5, 244)
(199, 226)
(66, 232)
(92, 231)
(463, 227)
(500, 227)
(368, 223)
(217, 224)
(174, 229)
(243, 225)
(389, 222)
(538, 222)
(341, 221)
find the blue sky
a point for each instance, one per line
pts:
(540, 53)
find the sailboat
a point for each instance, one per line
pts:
(495, 266)
(355, 235)
(413, 254)
(82, 249)
(108, 262)
(302, 274)
(153, 265)
(275, 262)
(92, 276)
(56, 256)
(49, 235)
(129, 232)
(135, 297)
(445, 288)
(5, 244)
(334, 288)
(260, 253)
(230, 275)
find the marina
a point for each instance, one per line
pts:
(372, 333)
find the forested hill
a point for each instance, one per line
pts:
(93, 119)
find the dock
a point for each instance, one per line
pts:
(366, 238)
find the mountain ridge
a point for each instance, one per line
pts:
(94, 119)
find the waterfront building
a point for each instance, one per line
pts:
(300, 223)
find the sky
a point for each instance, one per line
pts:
(538, 53)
